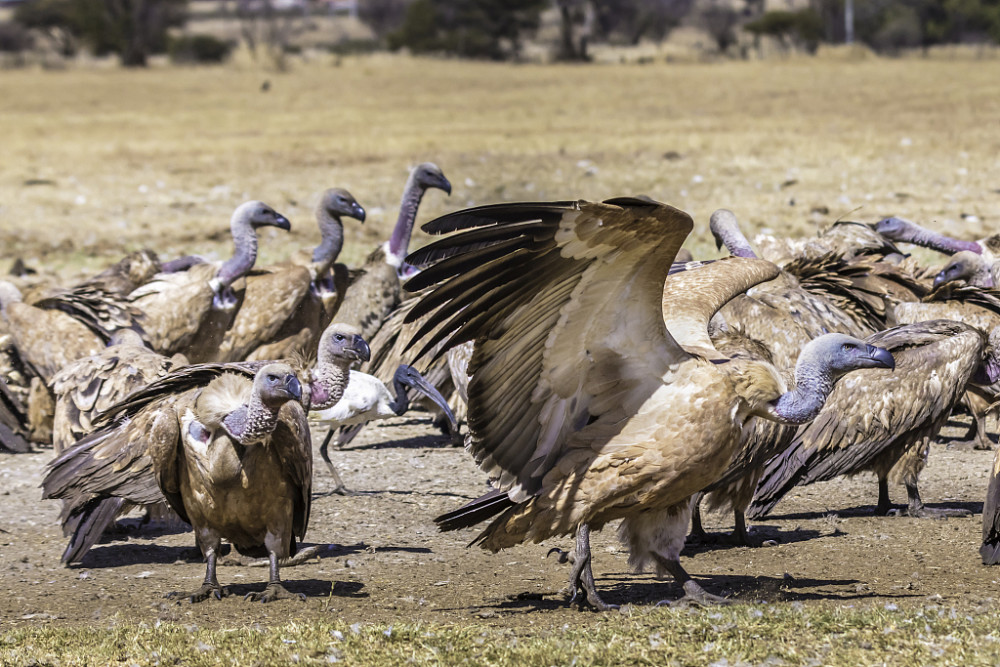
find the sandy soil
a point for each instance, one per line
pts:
(387, 563)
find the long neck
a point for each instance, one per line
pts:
(249, 423)
(332, 230)
(244, 254)
(400, 239)
(401, 402)
(813, 384)
(726, 228)
(931, 239)
(329, 378)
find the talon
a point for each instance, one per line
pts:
(564, 556)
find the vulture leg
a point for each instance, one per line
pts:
(697, 529)
(693, 592)
(275, 590)
(581, 576)
(917, 509)
(339, 488)
(210, 587)
(884, 506)
(977, 436)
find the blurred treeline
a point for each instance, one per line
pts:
(494, 29)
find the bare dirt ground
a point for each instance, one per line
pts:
(387, 562)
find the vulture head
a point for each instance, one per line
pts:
(247, 219)
(257, 214)
(343, 341)
(823, 361)
(276, 384)
(968, 266)
(338, 203)
(897, 229)
(126, 337)
(428, 175)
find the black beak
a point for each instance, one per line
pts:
(411, 378)
(360, 348)
(445, 185)
(294, 387)
(357, 212)
(940, 279)
(881, 357)
(718, 243)
(281, 222)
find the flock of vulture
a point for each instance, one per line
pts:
(601, 374)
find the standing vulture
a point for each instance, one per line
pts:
(286, 307)
(884, 421)
(376, 292)
(585, 406)
(190, 312)
(106, 473)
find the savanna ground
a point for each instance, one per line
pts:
(99, 161)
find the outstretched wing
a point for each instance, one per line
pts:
(563, 301)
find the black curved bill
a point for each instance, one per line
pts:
(882, 356)
(411, 378)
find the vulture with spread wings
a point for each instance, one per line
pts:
(584, 405)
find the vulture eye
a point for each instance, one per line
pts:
(272, 378)
(848, 347)
(339, 337)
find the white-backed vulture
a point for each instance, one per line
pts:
(585, 406)
(376, 291)
(189, 312)
(844, 238)
(971, 267)
(87, 387)
(883, 421)
(111, 470)
(368, 399)
(286, 307)
(899, 229)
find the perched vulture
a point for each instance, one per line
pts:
(286, 307)
(92, 385)
(367, 399)
(883, 421)
(189, 312)
(113, 468)
(585, 405)
(376, 292)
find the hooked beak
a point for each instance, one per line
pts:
(281, 222)
(294, 387)
(360, 349)
(940, 279)
(357, 212)
(445, 185)
(881, 357)
(412, 378)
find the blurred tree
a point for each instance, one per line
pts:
(629, 21)
(720, 21)
(470, 28)
(133, 29)
(383, 16)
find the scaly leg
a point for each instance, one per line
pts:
(884, 504)
(693, 593)
(917, 509)
(339, 488)
(210, 587)
(275, 590)
(582, 576)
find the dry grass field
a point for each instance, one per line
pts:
(98, 160)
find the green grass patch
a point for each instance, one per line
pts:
(772, 635)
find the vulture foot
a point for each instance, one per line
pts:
(970, 445)
(695, 595)
(581, 576)
(207, 590)
(564, 556)
(935, 513)
(274, 591)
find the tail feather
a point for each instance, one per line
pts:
(781, 474)
(478, 510)
(88, 523)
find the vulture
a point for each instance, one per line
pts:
(971, 267)
(286, 307)
(367, 399)
(113, 469)
(90, 386)
(14, 427)
(990, 549)
(585, 404)
(844, 238)
(189, 312)
(376, 292)
(884, 421)
(773, 322)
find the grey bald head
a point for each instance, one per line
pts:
(276, 384)
(968, 266)
(338, 203)
(256, 214)
(726, 230)
(428, 175)
(842, 354)
(343, 341)
(896, 229)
